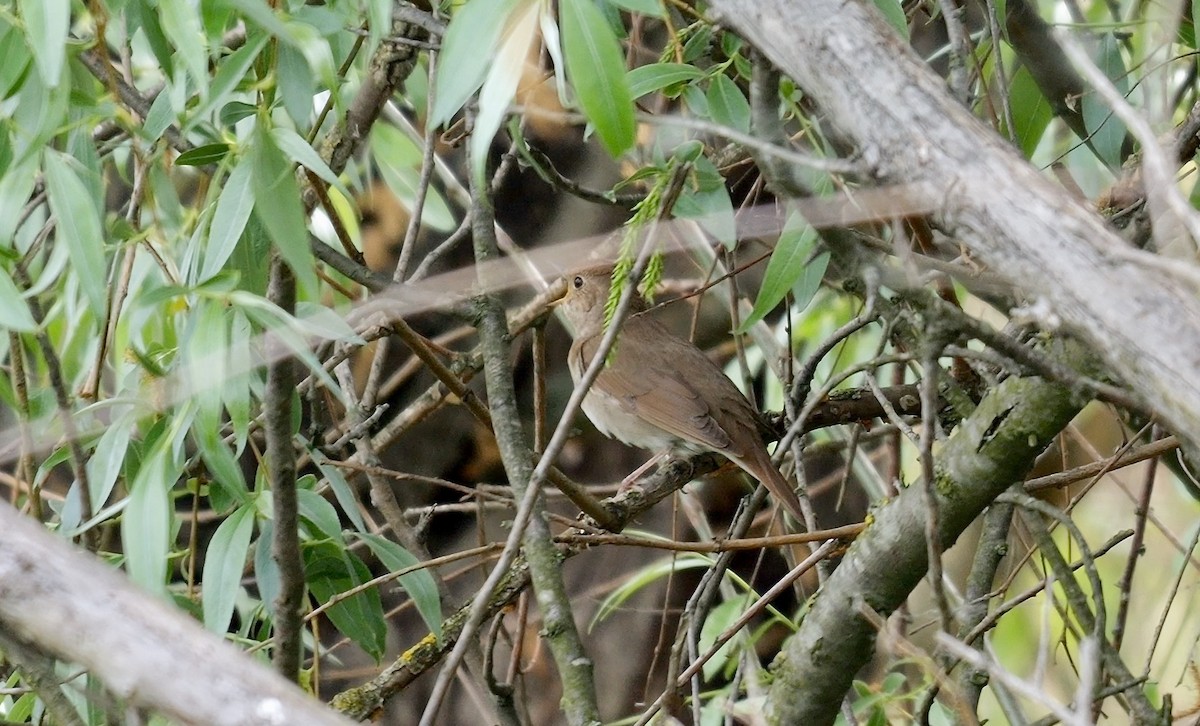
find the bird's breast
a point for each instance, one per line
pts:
(615, 420)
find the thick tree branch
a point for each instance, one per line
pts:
(79, 610)
(990, 450)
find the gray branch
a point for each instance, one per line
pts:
(79, 610)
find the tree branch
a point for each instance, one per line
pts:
(79, 610)
(281, 463)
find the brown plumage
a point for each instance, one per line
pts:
(660, 392)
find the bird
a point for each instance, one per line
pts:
(658, 391)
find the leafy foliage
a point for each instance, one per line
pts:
(155, 157)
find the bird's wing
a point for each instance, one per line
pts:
(657, 389)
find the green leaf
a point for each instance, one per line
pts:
(1106, 131)
(893, 13)
(696, 100)
(299, 151)
(1031, 111)
(146, 522)
(596, 70)
(500, 85)
(789, 269)
(321, 322)
(46, 25)
(229, 220)
(419, 584)
(233, 69)
(230, 75)
(277, 205)
(224, 562)
(341, 489)
(14, 313)
(143, 17)
(16, 184)
(320, 513)
(657, 76)
(201, 155)
(467, 53)
(380, 22)
(270, 317)
(237, 398)
(181, 24)
(650, 8)
(296, 85)
(229, 483)
(718, 621)
(259, 13)
(38, 114)
(706, 200)
(78, 226)
(647, 575)
(266, 570)
(16, 57)
(727, 105)
(697, 44)
(316, 51)
(104, 464)
(331, 569)
(399, 162)
(235, 111)
(206, 343)
(158, 118)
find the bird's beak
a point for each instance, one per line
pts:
(557, 293)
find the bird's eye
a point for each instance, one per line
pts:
(577, 282)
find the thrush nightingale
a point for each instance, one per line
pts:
(659, 392)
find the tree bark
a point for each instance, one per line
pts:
(75, 608)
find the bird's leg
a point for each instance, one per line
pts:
(637, 473)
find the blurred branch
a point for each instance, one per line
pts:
(388, 68)
(79, 610)
(386, 71)
(39, 671)
(1096, 468)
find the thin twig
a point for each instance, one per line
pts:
(408, 246)
(736, 627)
(933, 537)
(20, 383)
(62, 400)
(1125, 584)
(281, 472)
(91, 388)
(844, 533)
